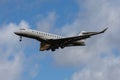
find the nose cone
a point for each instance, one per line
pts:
(17, 33)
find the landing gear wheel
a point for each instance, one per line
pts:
(62, 47)
(20, 38)
(52, 49)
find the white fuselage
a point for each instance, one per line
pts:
(33, 34)
(45, 38)
(38, 34)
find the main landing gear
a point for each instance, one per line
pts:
(52, 49)
(20, 38)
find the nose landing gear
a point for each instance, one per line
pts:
(20, 38)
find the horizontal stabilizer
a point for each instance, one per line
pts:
(104, 30)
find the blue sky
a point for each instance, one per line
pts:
(30, 10)
(98, 60)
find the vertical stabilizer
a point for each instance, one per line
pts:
(80, 34)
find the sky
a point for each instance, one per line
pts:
(98, 60)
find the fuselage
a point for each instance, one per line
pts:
(43, 37)
(36, 34)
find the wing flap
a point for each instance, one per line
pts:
(69, 39)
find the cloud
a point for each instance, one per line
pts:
(107, 69)
(10, 65)
(46, 23)
(13, 61)
(10, 57)
(108, 40)
(99, 50)
(7, 35)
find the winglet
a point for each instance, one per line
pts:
(104, 30)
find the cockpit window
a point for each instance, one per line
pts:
(22, 29)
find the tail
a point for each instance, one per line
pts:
(81, 33)
(84, 33)
(92, 33)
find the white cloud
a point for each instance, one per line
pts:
(13, 61)
(10, 57)
(10, 65)
(97, 16)
(105, 16)
(7, 35)
(46, 23)
(106, 69)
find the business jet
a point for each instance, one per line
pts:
(52, 41)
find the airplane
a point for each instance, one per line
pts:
(52, 41)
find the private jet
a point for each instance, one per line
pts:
(52, 41)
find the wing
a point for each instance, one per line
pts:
(76, 38)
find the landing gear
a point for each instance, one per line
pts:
(20, 38)
(62, 46)
(52, 49)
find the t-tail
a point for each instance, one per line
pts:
(92, 33)
(82, 33)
